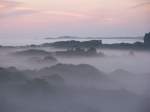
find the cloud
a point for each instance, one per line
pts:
(13, 8)
(6, 5)
(63, 13)
(142, 4)
(17, 13)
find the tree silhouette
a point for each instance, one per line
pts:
(147, 39)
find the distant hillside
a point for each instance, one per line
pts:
(77, 37)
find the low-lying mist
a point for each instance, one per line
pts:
(40, 80)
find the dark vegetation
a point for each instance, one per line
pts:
(89, 52)
(147, 39)
(74, 44)
(56, 75)
(64, 85)
(99, 44)
(32, 52)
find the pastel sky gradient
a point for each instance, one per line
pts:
(45, 18)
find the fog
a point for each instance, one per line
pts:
(116, 59)
(38, 80)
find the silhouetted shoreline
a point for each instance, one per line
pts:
(70, 44)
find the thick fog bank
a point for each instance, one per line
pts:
(134, 61)
(38, 80)
(39, 57)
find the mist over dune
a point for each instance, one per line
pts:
(41, 79)
(74, 56)
(44, 92)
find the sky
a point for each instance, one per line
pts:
(48, 18)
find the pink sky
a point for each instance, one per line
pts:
(36, 18)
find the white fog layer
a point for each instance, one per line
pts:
(41, 79)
